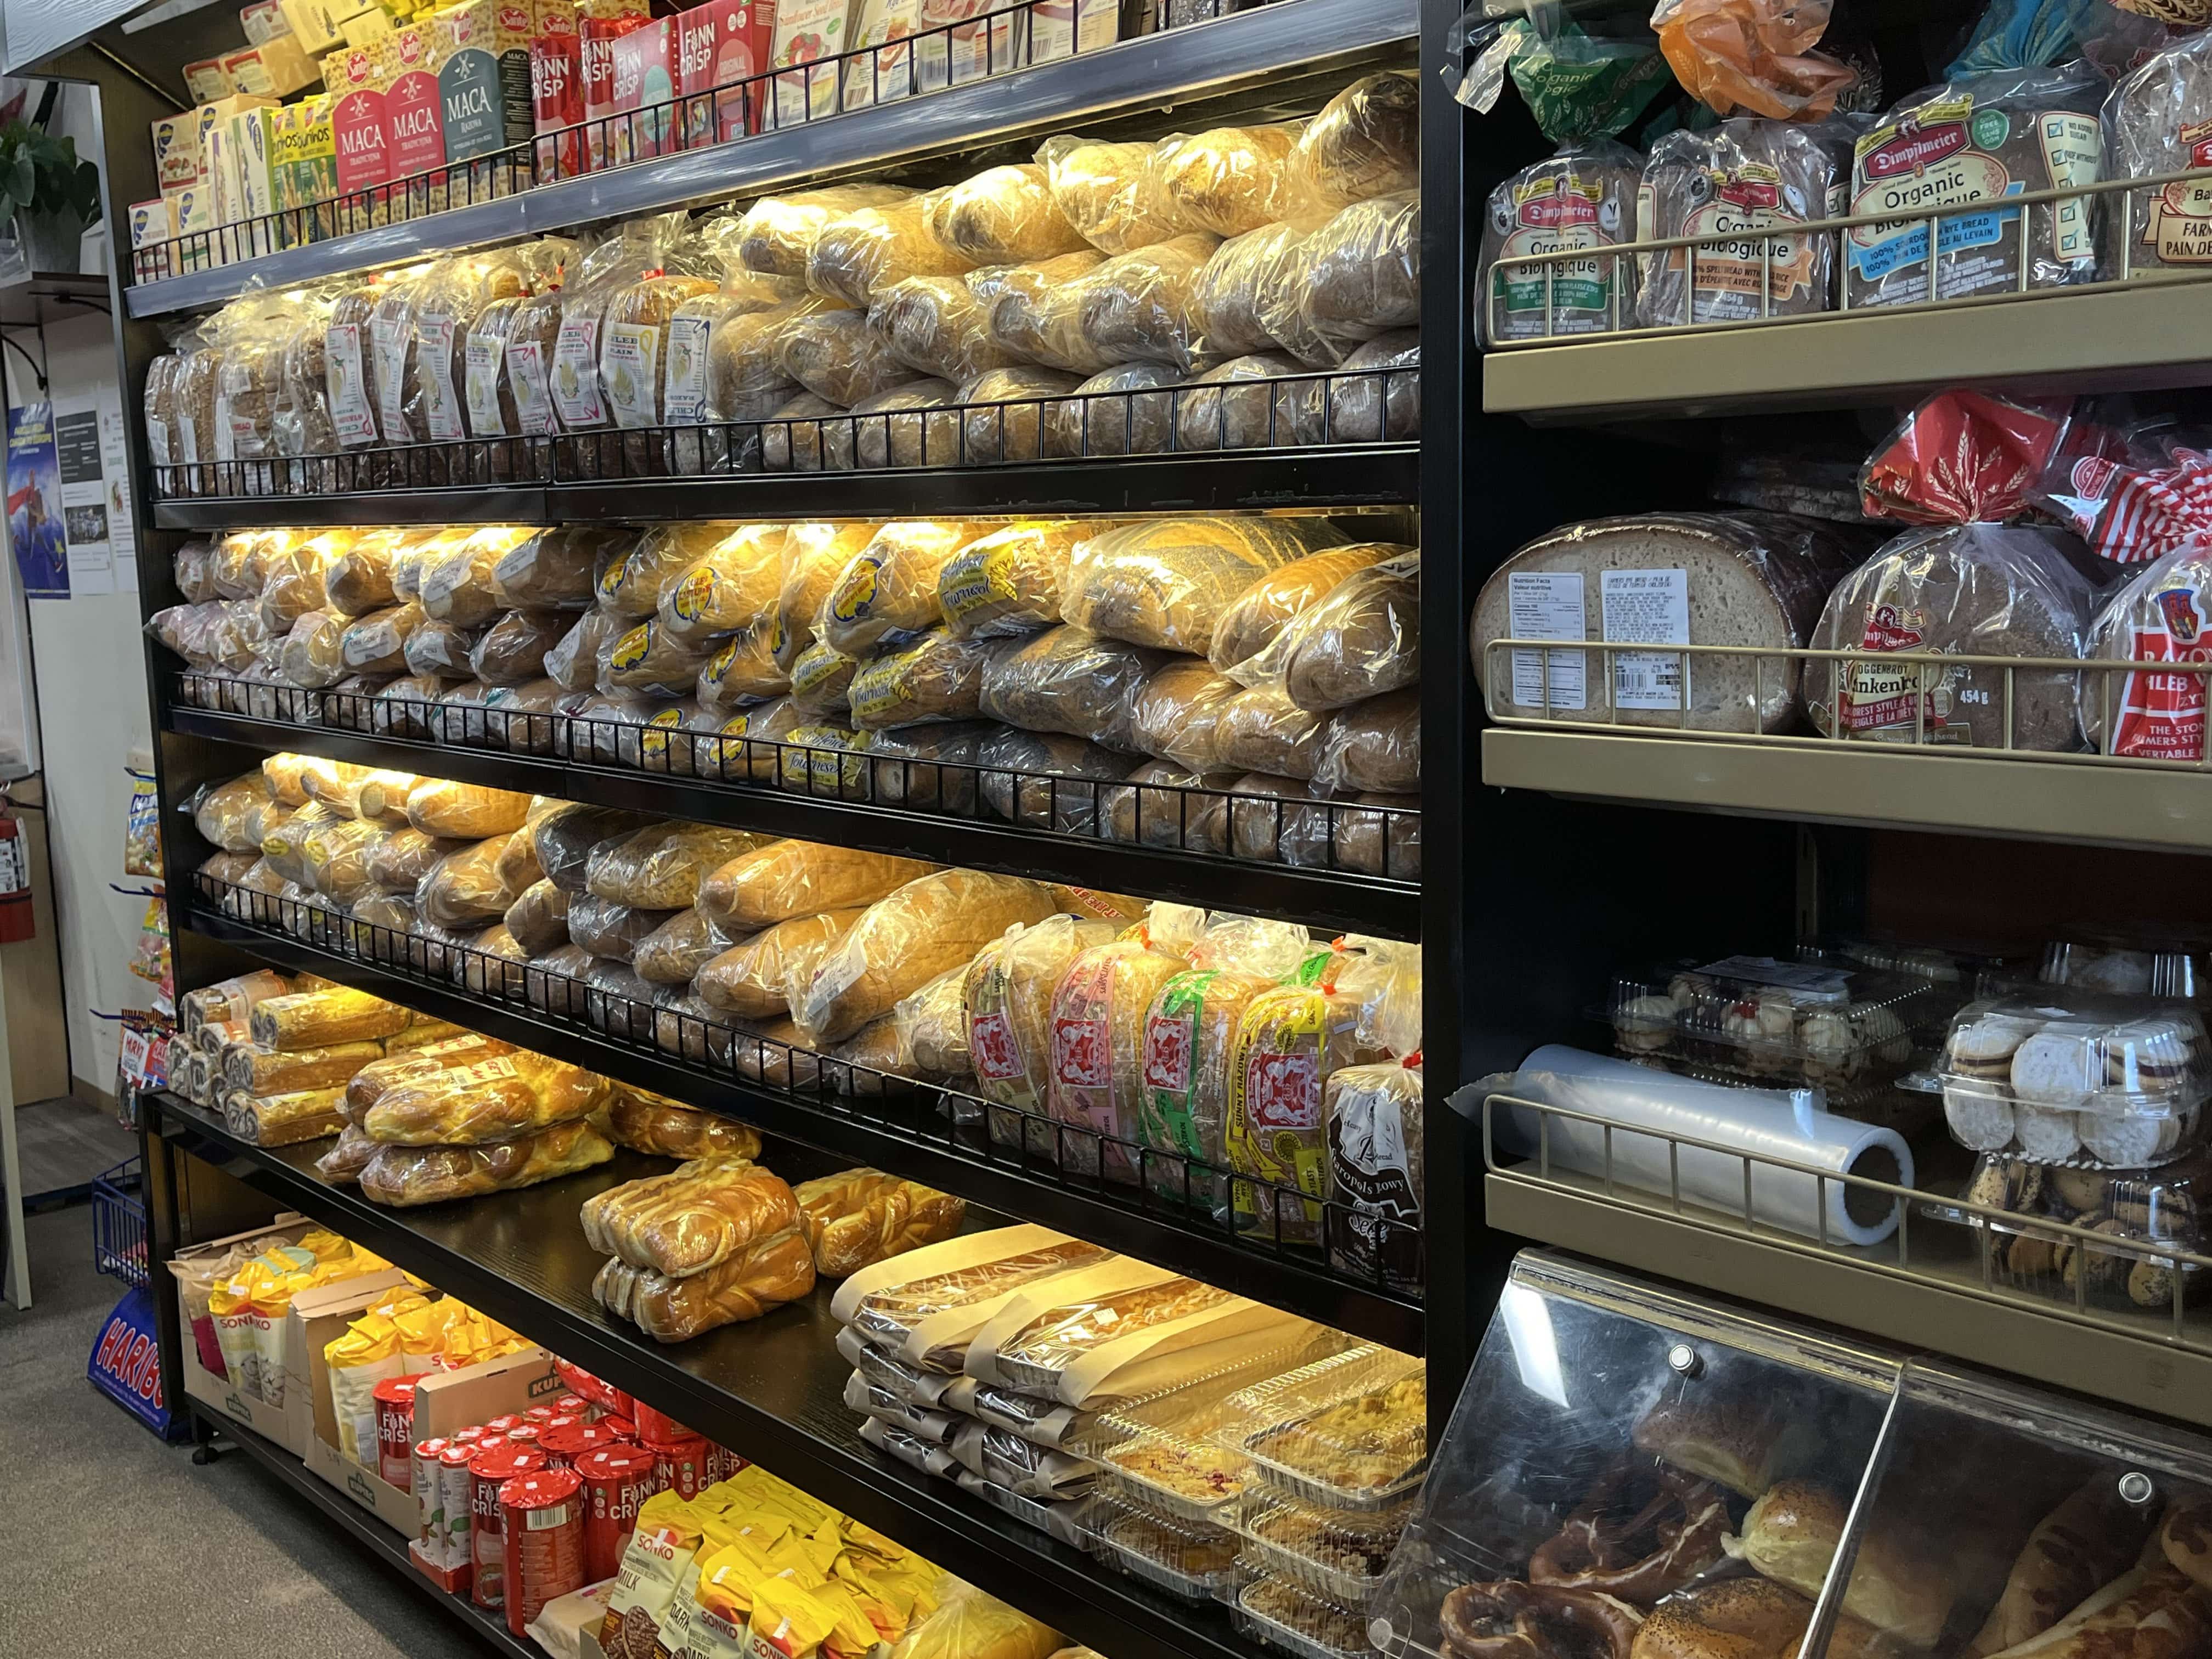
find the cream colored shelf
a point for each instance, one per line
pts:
(2110, 339)
(2166, 808)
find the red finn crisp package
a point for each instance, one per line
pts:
(722, 46)
(595, 57)
(642, 85)
(557, 96)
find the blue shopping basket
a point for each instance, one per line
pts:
(118, 1223)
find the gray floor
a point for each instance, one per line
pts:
(64, 1143)
(117, 1545)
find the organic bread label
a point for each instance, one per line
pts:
(533, 395)
(1731, 270)
(575, 378)
(482, 355)
(684, 377)
(992, 1047)
(2161, 716)
(630, 373)
(434, 358)
(1555, 214)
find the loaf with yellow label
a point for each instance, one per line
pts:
(647, 1122)
(407, 1175)
(732, 586)
(1007, 583)
(891, 584)
(861, 1217)
(907, 938)
(317, 1019)
(819, 554)
(1288, 1044)
(934, 678)
(496, 1099)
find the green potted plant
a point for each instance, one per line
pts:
(49, 194)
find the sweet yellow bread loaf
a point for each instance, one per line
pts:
(790, 878)
(407, 1175)
(861, 1217)
(467, 812)
(495, 1099)
(317, 1019)
(647, 1122)
(778, 1270)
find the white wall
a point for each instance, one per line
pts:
(89, 672)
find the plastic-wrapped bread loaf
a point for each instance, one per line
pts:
(491, 964)
(407, 1175)
(271, 1072)
(376, 644)
(1003, 216)
(646, 1122)
(935, 1021)
(1110, 193)
(539, 918)
(316, 1019)
(564, 837)
(1360, 641)
(778, 1270)
(1095, 1078)
(284, 774)
(633, 352)
(557, 569)
(1183, 1102)
(574, 664)
(1372, 748)
(611, 930)
(467, 812)
(490, 1100)
(1166, 583)
(1043, 781)
(366, 1086)
(1176, 713)
(696, 1217)
(1008, 989)
(1141, 306)
(937, 325)
(1375, 396)
(1035, 310)
(1356, 276)
(907, 940)
(1005, 413)
(1366, 142)
(1069, 680)
(219, 815)
(1229, 180)
(1262, 730)
(1517, 301)
(836, 356)
(342, 1165)
(464, 890)
(1007, 583)
(1240, 405)
(660, 868)
(891, 585)
(858, 255)
(860, 1217)
(1249, 623)
(399, 859)
(1126, 410)
(791, 879)
(819, 555)
(777, 235)
(752, 979)
(893, 428)
(1753, 579)
(937, 678)
(454, 584)
(733, 586)
(283, 1120)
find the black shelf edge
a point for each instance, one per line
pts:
(369, 1534)
(909, 1142)
(770, 1389)
(1258, 47)
(1333, 900)
(1340, 476)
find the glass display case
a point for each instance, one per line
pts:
(1630, 1471)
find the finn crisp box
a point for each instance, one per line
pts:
(485, 83)
(641, 86)
(414, 123)
(595, 55)
(556, 93)
(720, 47)
(356, 78)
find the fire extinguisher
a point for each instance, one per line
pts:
(16, 921)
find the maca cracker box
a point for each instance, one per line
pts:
(720, 47)
(362, 150)
(414, 121)
(484, 82)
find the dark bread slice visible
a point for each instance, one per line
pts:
(1755, 579)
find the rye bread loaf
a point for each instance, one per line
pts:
(1753, 579)
(1979, 590)
(1583, 197)
(2153, 123)
(1744, 176)
(1967, 140)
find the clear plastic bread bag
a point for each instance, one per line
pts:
(1229, 180)
(835, 356)
(1035, 310)
(937, 326)
(447, 303)
(857, 256)
(1165, 582)
(251, 333)
(732, 586)
(1128, 411)
(1371, 747)
(1363, 639)
(632, 253)
(1177, 714)
(891, 585)
(454, 584)
(295, 580)
(934, 678)
(1045, 782)
(634, 354)
(1110, 193)
(1007, 990)
(1250, 622)
(1349, 279)
(1375, 396)
(775, 236)
(1005, 412)
(1247, 403)
(558, 569)
(1097, 1054)
(1141, 306)
(1069, 680)
(1006, 584)
(303, 428)
(895, 428)
(1262, 730)
(1003, 216)
(1365, 142)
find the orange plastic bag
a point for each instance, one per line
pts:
(1753, 57)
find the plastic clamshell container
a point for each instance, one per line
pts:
(1287, 1616)
(2079, 1079)
(1758, 1019)
(1194, 1562)
(2124, 969)
(1338, 1556)
(2150, 1215)
(1347, 1433)
(1163, 1451)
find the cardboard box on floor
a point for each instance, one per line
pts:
(444, 1401)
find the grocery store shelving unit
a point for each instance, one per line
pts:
(772, 1388)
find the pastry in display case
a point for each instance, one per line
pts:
(1630, 1474)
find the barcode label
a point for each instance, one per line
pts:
(1646, 607)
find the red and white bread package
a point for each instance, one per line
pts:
(1971, 581)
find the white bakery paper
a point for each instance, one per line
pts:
(1646, 1107)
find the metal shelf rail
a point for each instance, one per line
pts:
(1176, 1210)
(773, 1387)
(536, 189)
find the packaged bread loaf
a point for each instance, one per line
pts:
(316, 1019)
(934, 678)
(792, 878)
(553, 982)
(1140, 305)
(283, 1120)
(820, 681)
(1007, 410)
(286, 777)
(1097, 1053)
(408, 706)
(651, 1123)
(752, 979)
(292, 579)
(1360, 641)
(559, 569)
(219, 814)
(1375, 1125)
(1229, 180)
(491, 964)
(194, 564)
(935, 1022)
(574, 663)
(1006, 584)
(1176, 713)
(694, 1218)
(400, 858)
(1162, 804)
(825, 758)
(611, 930)
(1227, 297)
(163, 410)
(1003, 216)
(660, 866)
(1744, 175)
(2017, 129)
(1110, 193)
(358, 579)
(377, 643)
(1045, 782)
(617, 1001)
(1123, 411)
(1035, 310)
(1287, 1044)
(931, 769)
(1354, 276)
(1240, 404)
(858, 255)
(643, 658)
(836, 356)
(631, 585)
(1068, 679)
(268, 1071)
(310, 653)
(674, 952)
(1373, 398)
(464, 890)
(819, 554)
(1366, 142)
(1164, 583)
(778, 1270)
(464, 810)
(539, 917)
(1372, 747)
(745, 379)
(1250, 622)
(454, 583)
(732, 586)
(1971, 589)
(777, 234)
(633, 353)
(894, 428)
(366, 1086)
(793, 439)
(439, 651)
(1007, 990)
(2146, 120)
(447, 305)
(1260, 729)
(522, 717)
(891, 585)
(1583, 197)
(860, 1217)
(512, 651)
(194, 435)
(407, 1175)
(906, 939)
(938, 326)
(1751, 580)
(249, 382)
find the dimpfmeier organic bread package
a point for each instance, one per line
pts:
(1583, 197)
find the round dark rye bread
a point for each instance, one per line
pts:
(1755, 579)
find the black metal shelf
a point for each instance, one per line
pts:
(1341, 476)
(771, 1390)
(1289, 50)
(370, 1536)
(1331, 900)
(904, 1135)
